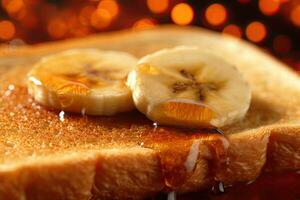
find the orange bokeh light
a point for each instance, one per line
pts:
(269, 7)
(295, 15)
(182, 14)
(85, 15)
(71, 20)
(144, 23)
(111, 6)
(256, 31)
(7, 30)
(57, 28)
(158, 6)
(216, 14)
(282, 44)
(233, 29)
(101, 19)
(13, 6)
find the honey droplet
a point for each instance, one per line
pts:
(61, 116)
(218, 188)
(83, 110)
(35, 81)
(11, 87)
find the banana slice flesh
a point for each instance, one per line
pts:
(186, 86)
(83, 80)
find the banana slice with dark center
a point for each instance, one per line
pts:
(86, 80)
(186, 86)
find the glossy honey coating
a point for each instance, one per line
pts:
(83, 79)
(189, 87)
(30, 130)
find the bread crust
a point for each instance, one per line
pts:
(267, 140)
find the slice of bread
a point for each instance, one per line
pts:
(121, 157)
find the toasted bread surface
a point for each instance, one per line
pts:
(44, 157)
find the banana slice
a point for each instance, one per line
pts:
(83, 80)
(186, 86)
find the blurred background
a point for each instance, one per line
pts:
(272, 24)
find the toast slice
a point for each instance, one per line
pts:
(123, 157)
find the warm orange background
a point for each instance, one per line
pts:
(272, 24)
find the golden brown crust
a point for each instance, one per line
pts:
(65, 178)
(80, 167)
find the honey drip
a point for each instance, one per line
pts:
(180, 149)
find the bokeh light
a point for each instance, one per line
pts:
(158, 6)
(13, 6)
(269, 7)
(7, 30)
(295, 15)
(111, 6)
(57, 28)
(282, 44)
(275, 23)
(101, 19)
(85, 15)
(256, 31)
(144, 23)
(182, 14)
(233, 30)
(216, 14)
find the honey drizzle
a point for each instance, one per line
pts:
(172, 144)
(180, 149)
